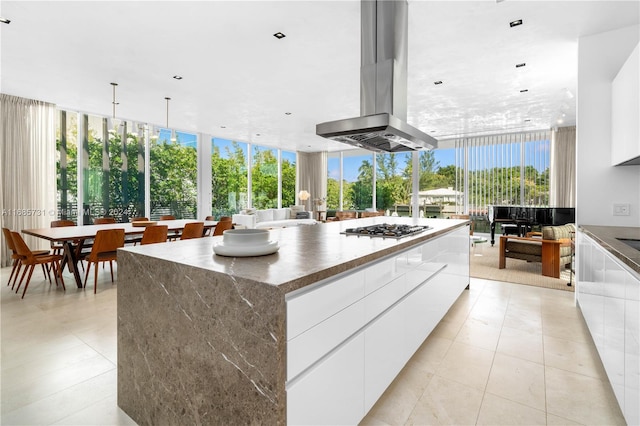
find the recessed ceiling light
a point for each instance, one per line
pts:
(279, 35)
(524, 90)
(177, 77)
(5, 20)
(287, 113)
(257, 134)
(515, 23)
(521, 65)
(527, 120)
(223, 127)
(437, 82)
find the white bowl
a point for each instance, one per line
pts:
(245, 236)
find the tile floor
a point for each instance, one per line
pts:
(504, 354)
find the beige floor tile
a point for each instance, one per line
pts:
(446, 402)
(430, 355)
(559, 421)
(397, 402)
(467, 365)
(104, 412)
(581, 398)
(523, 318)
(475, 332)
(24, 392)
(573, 356)
(67, 402)
(500, 411)
(521, 344)
(517, 380)
(448, 328)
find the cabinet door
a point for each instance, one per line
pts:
(384, 354)
(632, 350)
(332, 393)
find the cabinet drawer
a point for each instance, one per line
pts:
(378, 301)
(308, 347)
(312, 307)
(382, 273)
(332, 393)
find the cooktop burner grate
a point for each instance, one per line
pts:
(386, 230)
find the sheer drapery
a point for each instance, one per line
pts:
(505, 169)
(312, 175)
(28, 158)
(563, 167)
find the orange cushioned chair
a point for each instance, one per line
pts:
(104, 249)
(154, 234)
(192, 230)
(29, 259)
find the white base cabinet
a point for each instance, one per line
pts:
(609, 297)
(349, 337)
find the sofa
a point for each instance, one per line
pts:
(273, 218)
(552, 248)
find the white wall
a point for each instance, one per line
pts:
(598, 184)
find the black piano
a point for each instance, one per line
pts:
(524, 218)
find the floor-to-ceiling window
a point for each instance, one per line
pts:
(67, 165)
(358, 180)
(334, 181)
(509, 169)
(288, 167)
(264, 177)
(228, 177)
(393, 181)
(174, 174)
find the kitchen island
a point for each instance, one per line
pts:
(312, 333)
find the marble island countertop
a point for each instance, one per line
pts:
(609, 238)
(307, 254)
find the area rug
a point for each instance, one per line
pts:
(484, 264)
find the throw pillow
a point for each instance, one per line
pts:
(280, 214)
(264, 215)
(295, 210)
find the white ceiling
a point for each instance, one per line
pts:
(237, 75)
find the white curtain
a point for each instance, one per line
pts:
(562, 190)
(28, 175)
(312, 175)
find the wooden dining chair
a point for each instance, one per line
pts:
(192, 230)
(139, 219)
(222, 226)
(58, 247)
(103, 220)
(207, 231)
(17, 259)
(154, 234)
(167, 217)
(30, 260)
(104, 249)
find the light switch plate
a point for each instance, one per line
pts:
(621, 210)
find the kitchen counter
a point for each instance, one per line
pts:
(607, 237)
(202, 339)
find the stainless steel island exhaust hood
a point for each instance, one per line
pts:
(382, 126)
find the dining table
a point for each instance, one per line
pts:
(73, 238)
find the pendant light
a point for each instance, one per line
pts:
(113, 104)
(173, 138)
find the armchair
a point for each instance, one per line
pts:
(552, 248)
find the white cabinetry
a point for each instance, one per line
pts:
(625, 112)
(609, 296)
(348, 338)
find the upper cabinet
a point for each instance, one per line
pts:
(625, 113)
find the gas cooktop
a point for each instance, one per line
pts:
(386, 230)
